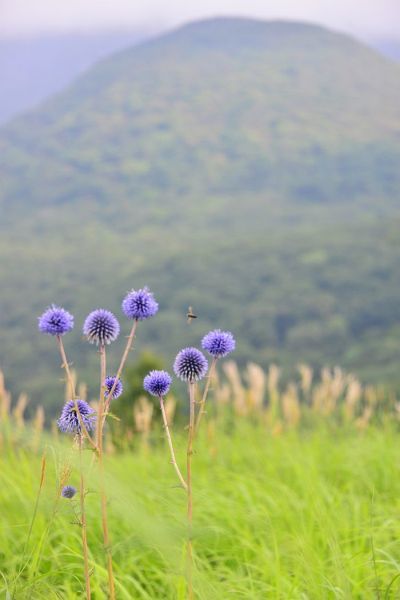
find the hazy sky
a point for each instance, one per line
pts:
(364, 18)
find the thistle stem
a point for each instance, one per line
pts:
(171, 447)
(125, 354)
(189, 488)
(205, 393)
(104, 521)
(100, 413)
(65, 365)
(84, 524)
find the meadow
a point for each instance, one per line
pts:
(295, 498)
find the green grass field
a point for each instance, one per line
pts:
(293, 516)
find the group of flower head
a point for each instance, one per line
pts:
(101, 327)
(190, 363)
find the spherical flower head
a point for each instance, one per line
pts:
(157, 383)
(190, 365)
(218, 343)
(118, 389)
(139, 304)
(69, 421)
(101, 327)
(68, 491)
(56, 321)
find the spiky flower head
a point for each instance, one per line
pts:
(157, 383)
(68, 491)
(101, 327)
(69, 421)
(139, 304)
(218, 343)
(56, 321)
(190, 365)
(118, 389)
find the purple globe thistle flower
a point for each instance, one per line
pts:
(56, 321)
(68, 491)
(69, 421)
(190, 365)
(157, 383)
(101, 327)
(139, 304)
(218, 343)
(118, 389)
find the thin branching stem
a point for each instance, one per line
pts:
(205, 393)
(82, 493)
(124, 357)
(192, 402)
(104, 520)
(171, 447)
(65, 365)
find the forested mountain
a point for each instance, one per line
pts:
(248, 168)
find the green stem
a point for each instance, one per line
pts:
(171, 447)
(205, 393)
(189, 489)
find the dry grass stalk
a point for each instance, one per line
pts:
(239, 393)
(326, 395)
(38, 425)
(170, 408)
(363, 421)
(273, 391)
(306, 378)
(352, 397)
(82, 391)
(5, 399)
(19, 410)
(143, 416)
(256, 379)
(223, 394)
(291, 406)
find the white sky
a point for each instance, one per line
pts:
(364, 18)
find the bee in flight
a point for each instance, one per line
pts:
(190, 315)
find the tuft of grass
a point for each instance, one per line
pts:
(298, 515)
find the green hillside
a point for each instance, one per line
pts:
(248, 168)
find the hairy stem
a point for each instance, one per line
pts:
(189, 489)
(65, 365)
(104, 521)
(171, 447)
(125, 354)
(84, 524)
(100, 412)
(205, 393)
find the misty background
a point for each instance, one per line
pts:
(45, 44)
